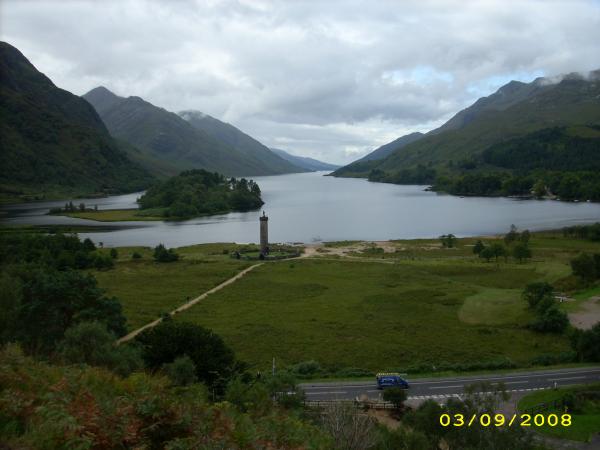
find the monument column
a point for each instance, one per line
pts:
(264, 234)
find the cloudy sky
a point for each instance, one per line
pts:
(327, 79)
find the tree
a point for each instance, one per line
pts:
(478, 247)
(521, 252)
(396, 396)
(88, 342)
(350, 429)
(552, 320)
(182, 371)
(587, 344)
(52, 301)
(498, 250)
(448, 240)
(512, 235)
(525, 236)
(91, 343)
(535, 292)
(114, 254)
(162, 254)
(487, 253)
(539, 189)
(215, 362)
(584, 267)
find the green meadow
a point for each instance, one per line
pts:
(419, 304)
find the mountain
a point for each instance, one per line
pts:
(515, 110)
(170, 144)
(310, 164)
(385, 150)
(233, 137)
(364, 165)
(53, 142)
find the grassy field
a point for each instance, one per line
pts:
(585, 421)
(113, 215)
(374, 316)
(148, 289)
(418, 304)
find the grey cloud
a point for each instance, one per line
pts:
(329, 79)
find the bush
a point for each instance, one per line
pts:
(162, 254)
(584, 267)
(552, 320)
(136, 255)
(91, 343)
(114, 254)
(534, 293)
(306, 369)
(182, 371)
(396, 396)
(478, 247)
(587, 344)
(215, 362)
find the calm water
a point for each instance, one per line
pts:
(311, 207)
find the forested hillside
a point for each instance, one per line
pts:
(53, 142)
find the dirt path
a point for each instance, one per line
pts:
(588, 315)
(189, 304)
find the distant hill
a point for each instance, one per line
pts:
(53, 142)
(310, 164)
(170, 144)
(515, 110)
(233, 137)
(385, 150)
(366, 163)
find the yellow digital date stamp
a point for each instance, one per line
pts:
(500, 420)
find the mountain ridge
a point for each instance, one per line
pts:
(170, 143)
(53, 142)
(310, 164)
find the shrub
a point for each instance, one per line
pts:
(478, 247)
(307, 368)
(215, 362)
(136, 255)
(587, 344)
(534, 293)
(162, 254)
(91, 343)
(114, 254)
(552, 320)
(584, 267)
(396, 396)
(182, 371)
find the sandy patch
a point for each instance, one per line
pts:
(588, 315)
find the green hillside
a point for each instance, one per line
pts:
(229, 135)
(573, 101)
(53, 142)
(513, 111)
(170, 144)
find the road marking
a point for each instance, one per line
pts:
(517, 382)
(330, 392)
(570, 378)
(446, 387)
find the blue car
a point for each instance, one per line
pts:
(385, 380)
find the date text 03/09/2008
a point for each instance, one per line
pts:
(500, 420)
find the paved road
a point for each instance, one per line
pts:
(440, 388)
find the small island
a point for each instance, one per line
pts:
(192, 193)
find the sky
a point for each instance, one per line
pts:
(331, 80)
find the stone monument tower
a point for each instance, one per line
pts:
(264, 235)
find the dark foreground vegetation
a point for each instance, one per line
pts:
(198, 192)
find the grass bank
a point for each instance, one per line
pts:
(585, 411)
